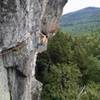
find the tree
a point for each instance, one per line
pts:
(61, 83)
(70, 68)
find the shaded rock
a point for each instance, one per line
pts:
(36, 90)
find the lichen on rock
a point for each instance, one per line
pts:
(21, 24)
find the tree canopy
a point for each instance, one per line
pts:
(70, 68)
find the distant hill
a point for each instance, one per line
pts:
(86, 20)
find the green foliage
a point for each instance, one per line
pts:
(69, 64)
(60, 48)
(62, 83)
(81, 22)
(92, 92)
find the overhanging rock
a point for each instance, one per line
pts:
(21, 24)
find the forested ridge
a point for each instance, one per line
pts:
(70, 68)
(82, 21)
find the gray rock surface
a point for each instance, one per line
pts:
(25, 26)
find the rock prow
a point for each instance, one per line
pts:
(23, 21)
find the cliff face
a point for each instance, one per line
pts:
(25, 26)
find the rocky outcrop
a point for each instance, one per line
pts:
(25, 26)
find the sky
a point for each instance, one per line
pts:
(74, 5)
